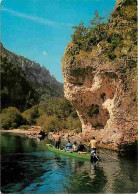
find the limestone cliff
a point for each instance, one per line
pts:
(101, 82)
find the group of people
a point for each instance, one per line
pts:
(75, 147)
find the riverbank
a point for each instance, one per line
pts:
(37, 132)
(31, 132)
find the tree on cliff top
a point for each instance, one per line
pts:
(86, 37)
(97, 26)
(80, 35)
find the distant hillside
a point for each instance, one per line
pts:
(24, 82)
(39, 77)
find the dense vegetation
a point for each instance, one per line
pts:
(24, 103)
(24, 82)
(47, 89)
(12, 118)
(86, 37)
(15, 89)
(106, 35)
(53, 114)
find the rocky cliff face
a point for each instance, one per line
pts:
(38, 76)
(101, 84)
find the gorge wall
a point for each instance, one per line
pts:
(38, 76)
(101, 83)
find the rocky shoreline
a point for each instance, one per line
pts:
(31, 132)
(37, 132)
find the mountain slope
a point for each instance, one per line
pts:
(24, 82)
(16, 91)
(39, 77)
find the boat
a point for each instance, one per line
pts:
(71, 154)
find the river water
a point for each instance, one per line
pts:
(28, 167)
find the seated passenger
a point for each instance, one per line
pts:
(75, 147)
(81, 147)
(68, 146)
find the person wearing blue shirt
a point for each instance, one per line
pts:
(68, 146)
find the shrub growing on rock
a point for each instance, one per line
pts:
(11, 118)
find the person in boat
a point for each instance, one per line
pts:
(75, 147)
(57, 138)
(93, 144)
(81, 147)
(68, 146)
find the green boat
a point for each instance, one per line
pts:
(72, 154)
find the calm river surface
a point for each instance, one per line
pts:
(28, 167)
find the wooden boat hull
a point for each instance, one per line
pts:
(71, 154)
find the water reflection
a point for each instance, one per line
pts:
(86, 179)
(127, 178)
(27, 166)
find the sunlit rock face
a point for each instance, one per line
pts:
(103, 91)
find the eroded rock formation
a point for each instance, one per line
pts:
(103, 89)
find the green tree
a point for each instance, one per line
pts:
(57, 106)
(11, 118)
(31, 114)
(80, 36)
(97, 26)
(15, 89)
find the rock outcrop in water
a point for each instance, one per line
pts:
(101, 83)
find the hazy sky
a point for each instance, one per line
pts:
(41, 29)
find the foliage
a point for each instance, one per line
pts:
(80, 36)
(133, 35)
(15, 89)
(11, 118)
(57, 106)
(50, 123)
(31, 114)
(84, 37)
(114, 39)
(111, 55)
(57, 114)
(47, 90)
(111, 75)
(23, 127)
(74, 124)
(98, 29)
(128, 12)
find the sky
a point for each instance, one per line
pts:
(41, 29)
